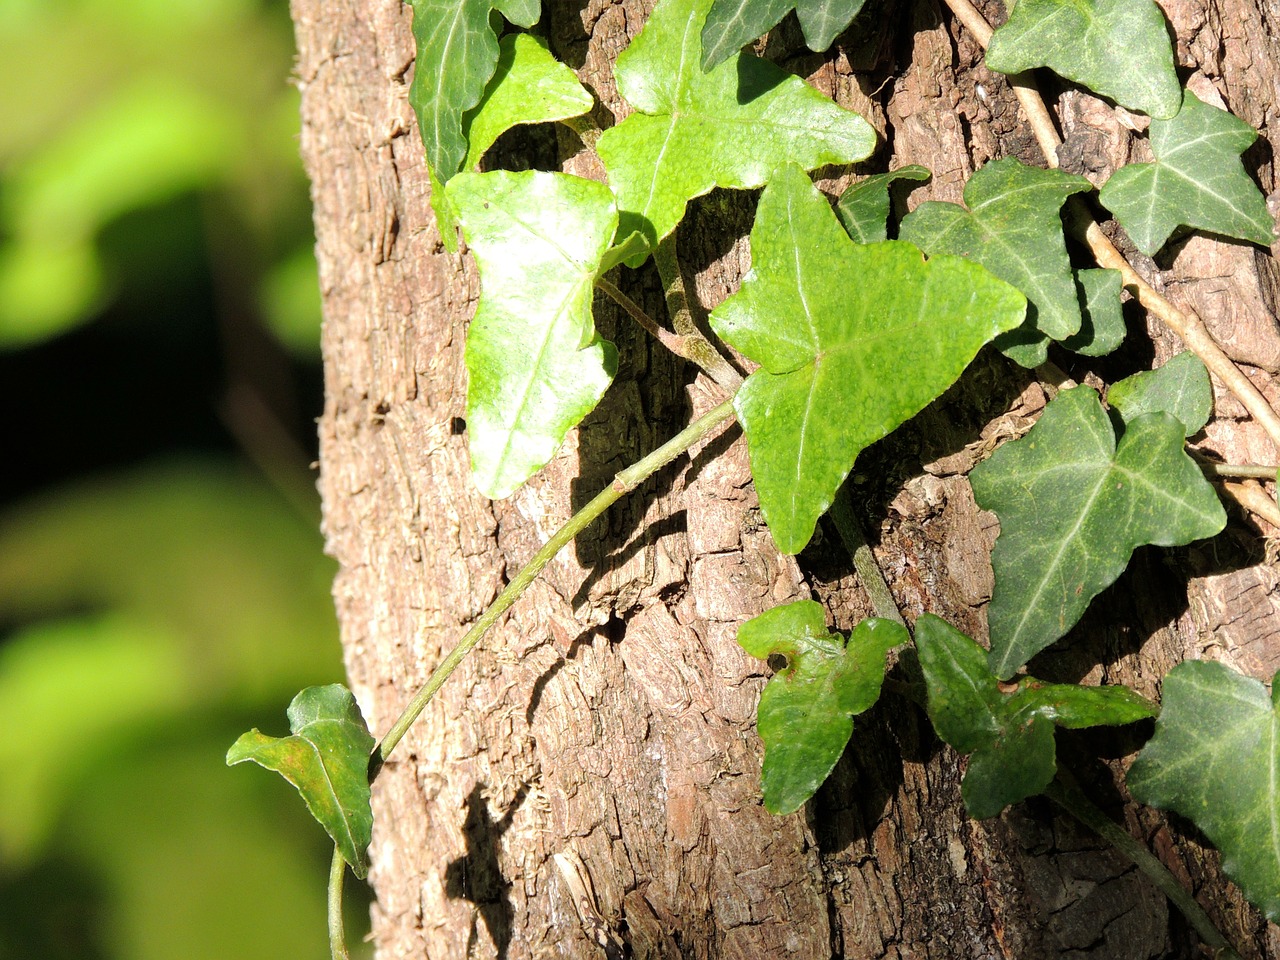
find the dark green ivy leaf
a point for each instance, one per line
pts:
(1118, 48)
(1197, 180)
(327, 759)
(457, 53)
(1009, 732)
(863, 209)
(693, 131)
(1180, 387)
(1102, 319)
(806, 712)
(1214, 759)
(732, 24)
(853, 340)
(1073, 506)
(1013, 228)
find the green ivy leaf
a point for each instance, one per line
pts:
(1181, 387)
(1073, 506)
(1102, 326)
(457, 53)
(806, 711)
(731, 24)
(852, 339)
(1118, 48)
(728, 128)
(1197, 181)
(1009, 734)
(1213, 759)
(529, 86)
(1012, 228)
(536, 365)
(327, 759)
(863, 209)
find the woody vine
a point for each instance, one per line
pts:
(847, 335)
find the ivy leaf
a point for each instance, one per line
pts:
(731, 24)
(1197, 181)
(1102, 326)
(1012, 228)
(728, 128)
(327, 759)
(863, 209)
(529, 86)
(457, 53)
(852, 339)
(1213, 759)
(535, 362)
(1180, 387)
(1073, 506)
(1009, 734)
(1118, 48)
(806, 711)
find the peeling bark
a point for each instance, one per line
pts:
(612, 714)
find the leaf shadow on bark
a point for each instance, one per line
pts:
(477, 877)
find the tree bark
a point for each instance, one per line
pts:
(611, 717)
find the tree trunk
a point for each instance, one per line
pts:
(611, 717)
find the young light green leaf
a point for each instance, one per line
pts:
(863, 209)
(852, 339)
(457, 53)
(1012, 228)
(1102, 326)
(1118, 48)
(1009, 734)
(1197, 181)
(327, 759)
(1213, 759)
(529, 86)
(535, 362)
(728, 128)
(1073, 506)
(1180, 387)
(732, 24)
(806, 712)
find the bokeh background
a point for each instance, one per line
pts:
(162, 581)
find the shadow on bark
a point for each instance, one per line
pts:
(477, 877)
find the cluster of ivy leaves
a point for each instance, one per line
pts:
(837, 371)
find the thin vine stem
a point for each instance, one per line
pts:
(864, 561)
(698, 348)
(1189, 327)
(1083, 809)
(337, 929)
(672, 341)
(1247, 471)
(623, 483)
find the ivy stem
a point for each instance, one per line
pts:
(696, 346)
(1189, 328)
(1071, 799)
(337, 932)
(864, 561)
(673, 342)
(623, 483)
(1248, 471)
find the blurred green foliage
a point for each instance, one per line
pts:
(159, 328)
(108, 107)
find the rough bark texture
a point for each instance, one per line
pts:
(612, 715)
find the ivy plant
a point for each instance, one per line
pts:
(849, 335)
